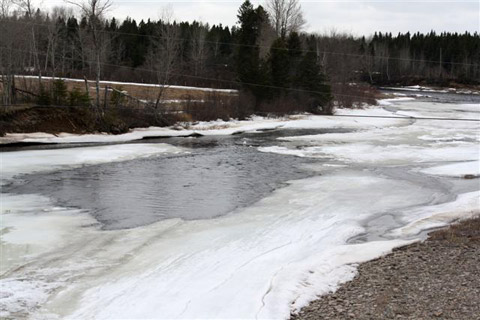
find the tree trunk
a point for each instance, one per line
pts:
(98, 80)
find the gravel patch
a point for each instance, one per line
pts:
(435, 279)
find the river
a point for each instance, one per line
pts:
(251, 225)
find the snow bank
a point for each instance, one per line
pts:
(220, 127)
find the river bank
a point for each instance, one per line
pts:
(434, 279)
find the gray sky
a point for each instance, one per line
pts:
(354, 16)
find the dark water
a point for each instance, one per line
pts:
(219, 175)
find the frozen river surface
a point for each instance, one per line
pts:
(249, 226)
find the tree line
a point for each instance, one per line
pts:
(266, 54)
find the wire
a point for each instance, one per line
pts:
(267, 47)
(198, 77)
(146, 111)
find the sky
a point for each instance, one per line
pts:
(352, 16)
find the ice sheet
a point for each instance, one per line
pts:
(419, 219)
(263, 261)
(460, 169)
(419, 142)
(23, 162)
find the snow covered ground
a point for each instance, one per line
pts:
(259, 262)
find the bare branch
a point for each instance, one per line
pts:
(286, 16)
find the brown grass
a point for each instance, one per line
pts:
(462, 232)
(142, 92)
(354, 95)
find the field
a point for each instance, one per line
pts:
(137, 93)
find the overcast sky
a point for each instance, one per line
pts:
(354, 16)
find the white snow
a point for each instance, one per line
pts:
(419, 142)
(373, 154)
(461, 169)
(290, 246)
(424, 218)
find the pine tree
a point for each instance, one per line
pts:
(314, 82)
(249, 66)
(279, 65)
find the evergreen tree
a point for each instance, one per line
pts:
(250, 70)
(314, 82)
(279, 65)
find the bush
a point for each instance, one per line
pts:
(43, 98)
(78, 98)
(354, 95)
(214, 107)
(117, 99)
(59, 92)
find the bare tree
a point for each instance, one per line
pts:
(286, 16)
(5, 6)
(163, 53)
(94, 11)
(54, 37)
(267, 35)
(28, 8)
(14, 41)
(198, 54)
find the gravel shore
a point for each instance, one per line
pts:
(435, 279)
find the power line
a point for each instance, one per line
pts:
(145, 111)
(261, 46)
(198, 77)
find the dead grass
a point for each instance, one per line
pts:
(462, 232)
(355, 95)
(142, 92)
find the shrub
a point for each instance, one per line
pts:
(43, 98)
(117, 98)
(59, 92)
(78, 98)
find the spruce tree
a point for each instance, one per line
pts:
(250, 68)
(314, 82)
(279, 65)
